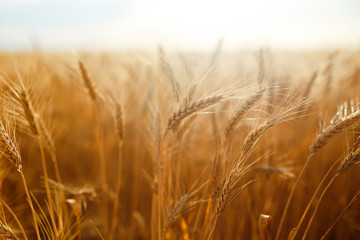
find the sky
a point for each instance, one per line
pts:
(178, 25)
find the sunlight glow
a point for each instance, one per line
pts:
(180, 24)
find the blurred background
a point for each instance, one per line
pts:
(178, 25)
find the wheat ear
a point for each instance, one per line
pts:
(347, 117)
(188, 110)
(87, 81)
(9, 148)
(350, 161)
(175, 211)
(239, 114)
(256, 133)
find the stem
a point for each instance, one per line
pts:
(313, 197)
(212, 229)
(117, 194)
(207, 214)
(47, 188)
(154, 203)
(198, 215)
(98, 139)
(56, 167)
(15, 218)
(341, 214)
(264, 225)
(62, 194)
(78, 223)
(290, 197)
(30, 204)
(160, 166)
(317, 206)
(100, 147)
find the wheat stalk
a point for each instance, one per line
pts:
(264, 224)
(120, 133)
(46, 136)
(352, 158)
(294, 231)
(16, 219)
(356, 196)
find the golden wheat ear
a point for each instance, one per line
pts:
(25, 109)
(185, 203)
(239, 114)
(9, 148)
(18, 97)
(119, 121)
(89, 84)
(188, 110)
(350, 161)
(346, 118)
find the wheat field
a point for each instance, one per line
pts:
(157, 145)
